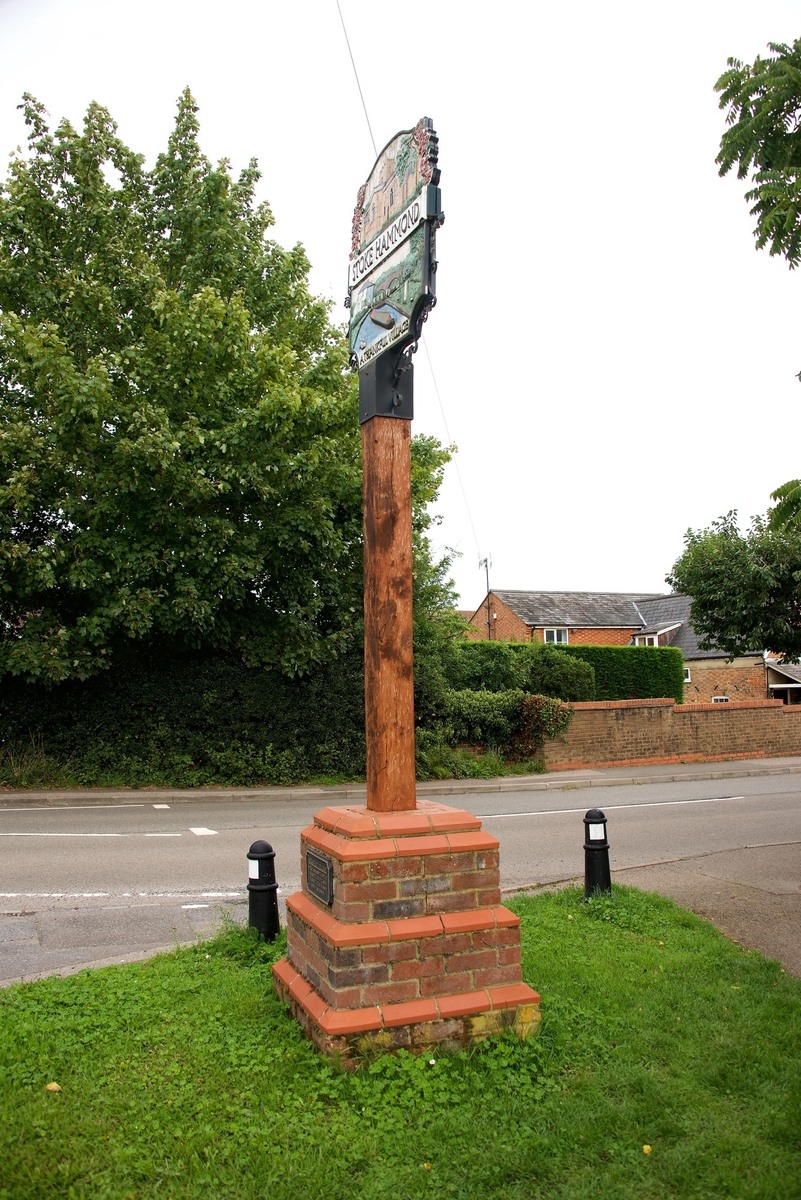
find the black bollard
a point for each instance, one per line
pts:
(263, 891)
(597, 876)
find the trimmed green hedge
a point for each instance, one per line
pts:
(571, 673)
(536, 669)
(633, 672)
(188, 721)
(185, 721)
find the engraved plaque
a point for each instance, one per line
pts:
(320, 876)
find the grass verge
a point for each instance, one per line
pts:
(668, 1066)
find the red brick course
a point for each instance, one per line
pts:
(335, 971)
(451, 1021)
(411, 885)
(414, 916)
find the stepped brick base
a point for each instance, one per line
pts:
(414, 949)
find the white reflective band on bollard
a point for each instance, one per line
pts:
(596, 833)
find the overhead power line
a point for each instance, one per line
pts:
(450, 439)
(358, 84)
(425, 346)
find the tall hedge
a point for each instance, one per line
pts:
(536, 669)
(189, 720)
(633, 672)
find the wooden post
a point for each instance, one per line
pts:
(388, 685)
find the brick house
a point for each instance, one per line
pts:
(629, 619)
(577, 618)
(709, 675)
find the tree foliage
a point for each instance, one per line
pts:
(763, 103)
(178, 442)
(746, 588)
(437, 625)
(787, 509)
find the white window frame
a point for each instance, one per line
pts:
(720, 699)
(649, 639)
(555, 640)
(687, 676)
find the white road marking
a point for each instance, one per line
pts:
(116, 835)
(101, 895)
(161, 806)
(66, 807)
(201, 831)
(549, 812)
(52, 895)
(195, 906)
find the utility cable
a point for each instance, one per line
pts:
(356, 73)
(450, 440)
(425, 346)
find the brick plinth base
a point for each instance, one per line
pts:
(415, 948)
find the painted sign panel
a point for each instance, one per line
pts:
(392, 265)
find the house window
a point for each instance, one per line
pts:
(720, 699)
(687, 675)
(556, 636)
(646, 641)
(391, 197)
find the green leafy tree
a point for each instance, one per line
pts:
(437, 625)
(763, 114)
(179, 454)
(746, 588)
(763, 103)
(787, 509)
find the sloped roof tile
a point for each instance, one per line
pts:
(582, 610)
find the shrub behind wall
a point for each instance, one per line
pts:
(633, 672)
(501, 666)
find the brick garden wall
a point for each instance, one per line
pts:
(630, 732)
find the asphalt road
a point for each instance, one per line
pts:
(91, 883)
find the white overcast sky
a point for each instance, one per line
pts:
(615, 360)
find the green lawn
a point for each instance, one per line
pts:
(184, 1077)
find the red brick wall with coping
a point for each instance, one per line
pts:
(632, 732)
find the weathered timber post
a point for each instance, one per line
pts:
(388, 682)
(393, 892)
